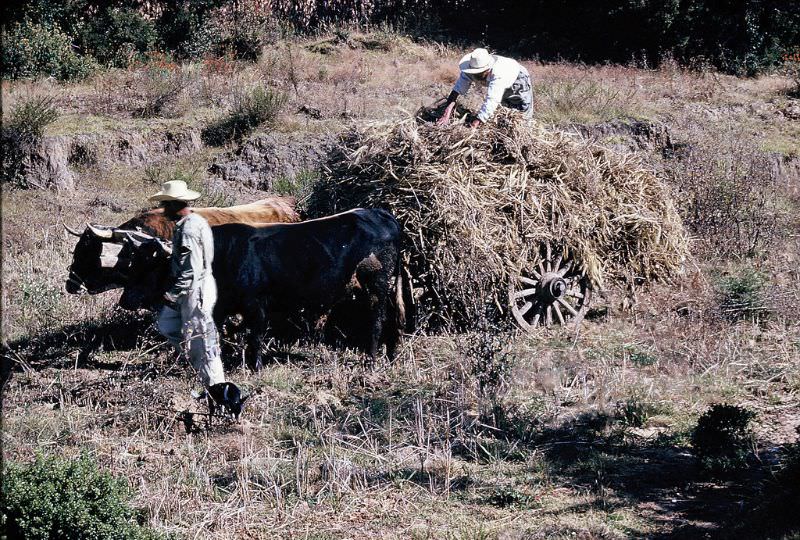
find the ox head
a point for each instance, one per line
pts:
(97, 264)
(100, 260)
(147, 272)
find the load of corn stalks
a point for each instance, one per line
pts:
(478, 206)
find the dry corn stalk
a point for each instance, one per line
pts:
(477, 206)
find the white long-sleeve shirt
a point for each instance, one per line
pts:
(503, 74)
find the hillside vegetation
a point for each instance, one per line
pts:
(609, 432)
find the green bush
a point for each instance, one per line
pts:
(743, 295)
(252, 110)
(241, 29)
(42, 50)
(118, 36)
(722, 439)
(54, 498)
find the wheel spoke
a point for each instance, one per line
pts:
(575, 294)
(524, 292)
(548, 258)
(529, 281)
(568, 307)
(558, 314)
(549, 316)
(557, 265)
(535, 320)
(567, 267)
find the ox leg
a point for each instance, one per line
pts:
(256, 322)
(374, 279)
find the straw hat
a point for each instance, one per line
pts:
(477, 61)
(175, 190)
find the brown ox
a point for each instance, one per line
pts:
(97, 267)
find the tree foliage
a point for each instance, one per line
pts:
(738, 36)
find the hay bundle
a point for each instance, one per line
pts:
(478, 206)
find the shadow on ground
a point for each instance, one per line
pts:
(78, 344)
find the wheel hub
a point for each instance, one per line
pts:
(553, 287)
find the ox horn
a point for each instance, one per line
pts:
(72, 231)
(122, 234)
(106, 234)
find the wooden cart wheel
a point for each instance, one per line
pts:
(554, 292)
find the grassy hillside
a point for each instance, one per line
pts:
(487, 434)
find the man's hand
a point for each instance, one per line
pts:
(169, 301)
(447, 113)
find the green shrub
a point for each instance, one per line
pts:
(240, 29)
(42, 50)
(252, 110)
(743, 295)
(118, 36)
(723, 439)
(54, 498)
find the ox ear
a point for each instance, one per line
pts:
(104, 233)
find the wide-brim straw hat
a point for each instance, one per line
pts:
(477, 61)
(175, 190)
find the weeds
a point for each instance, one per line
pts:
(581, 100)
(299, 186)
(21, 133)
(729, 195)
(251, 110)
(30, 117)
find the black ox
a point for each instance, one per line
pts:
(276, 272)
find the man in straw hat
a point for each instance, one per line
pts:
(186, 319)
(508, 84)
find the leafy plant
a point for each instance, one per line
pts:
(33, 49)
(117, 36)
(54, 498)
(723, 439)
(508, 497)
(258, 107)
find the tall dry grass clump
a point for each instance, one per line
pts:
(479, 206)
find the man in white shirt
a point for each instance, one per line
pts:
(186, 318)
(508, 84)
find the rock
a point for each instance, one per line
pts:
(262, 159)
(629, 134)
(37, 162)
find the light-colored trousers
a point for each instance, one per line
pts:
(192, 330)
